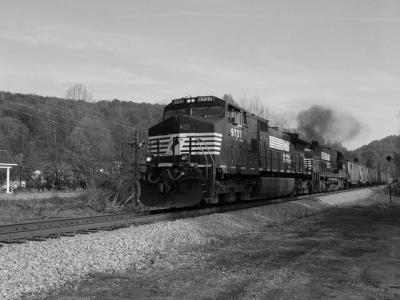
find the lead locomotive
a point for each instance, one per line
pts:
(209, 150)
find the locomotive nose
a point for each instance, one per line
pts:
(178, 146)
(181, 138)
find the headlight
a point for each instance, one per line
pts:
(184, 157)
(149, 158)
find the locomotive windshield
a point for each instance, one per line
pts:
(209, 111)
(175, 112)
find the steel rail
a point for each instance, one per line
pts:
(39, 230)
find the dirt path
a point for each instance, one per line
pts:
(342, 253)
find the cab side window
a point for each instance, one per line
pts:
(235, 116)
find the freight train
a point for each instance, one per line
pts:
(210, 150)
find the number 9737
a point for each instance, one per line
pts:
(236, 133)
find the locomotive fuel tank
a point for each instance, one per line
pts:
(276, 187)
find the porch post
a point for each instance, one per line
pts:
(8, 182)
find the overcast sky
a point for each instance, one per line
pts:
(291, 54)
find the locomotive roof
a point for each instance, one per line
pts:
(198, 100)
(208, 100)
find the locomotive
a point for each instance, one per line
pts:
(210, 150)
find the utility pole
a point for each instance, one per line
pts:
(54, 141)
(135, 146)
(20, 175)
(136, 151)
(390, 179)
(137, 172)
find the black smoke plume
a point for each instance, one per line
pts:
(327, 126)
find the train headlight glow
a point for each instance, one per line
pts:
(149, 158)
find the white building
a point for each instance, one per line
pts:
(6, 162)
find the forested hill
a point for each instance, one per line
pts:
(374, 154)
(48, 134)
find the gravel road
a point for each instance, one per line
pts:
(37, 269)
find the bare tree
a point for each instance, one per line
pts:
(257, 107)
(229, 99)
(79, 92)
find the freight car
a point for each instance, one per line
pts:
(209, 150)
(353, 174)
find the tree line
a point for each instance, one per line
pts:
(68, 139)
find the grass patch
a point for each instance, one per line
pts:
(103, 200)
(36, 207)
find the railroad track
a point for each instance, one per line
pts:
(37, 231)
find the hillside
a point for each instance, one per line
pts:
(67, 137)
(374, 154)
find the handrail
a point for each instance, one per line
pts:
(213, 164)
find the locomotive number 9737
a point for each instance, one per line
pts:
(236, 133)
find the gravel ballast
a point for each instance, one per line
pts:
(37, 268)
(348, 199)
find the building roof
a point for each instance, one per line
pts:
(6, 159)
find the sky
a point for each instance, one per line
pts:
(291, 54)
